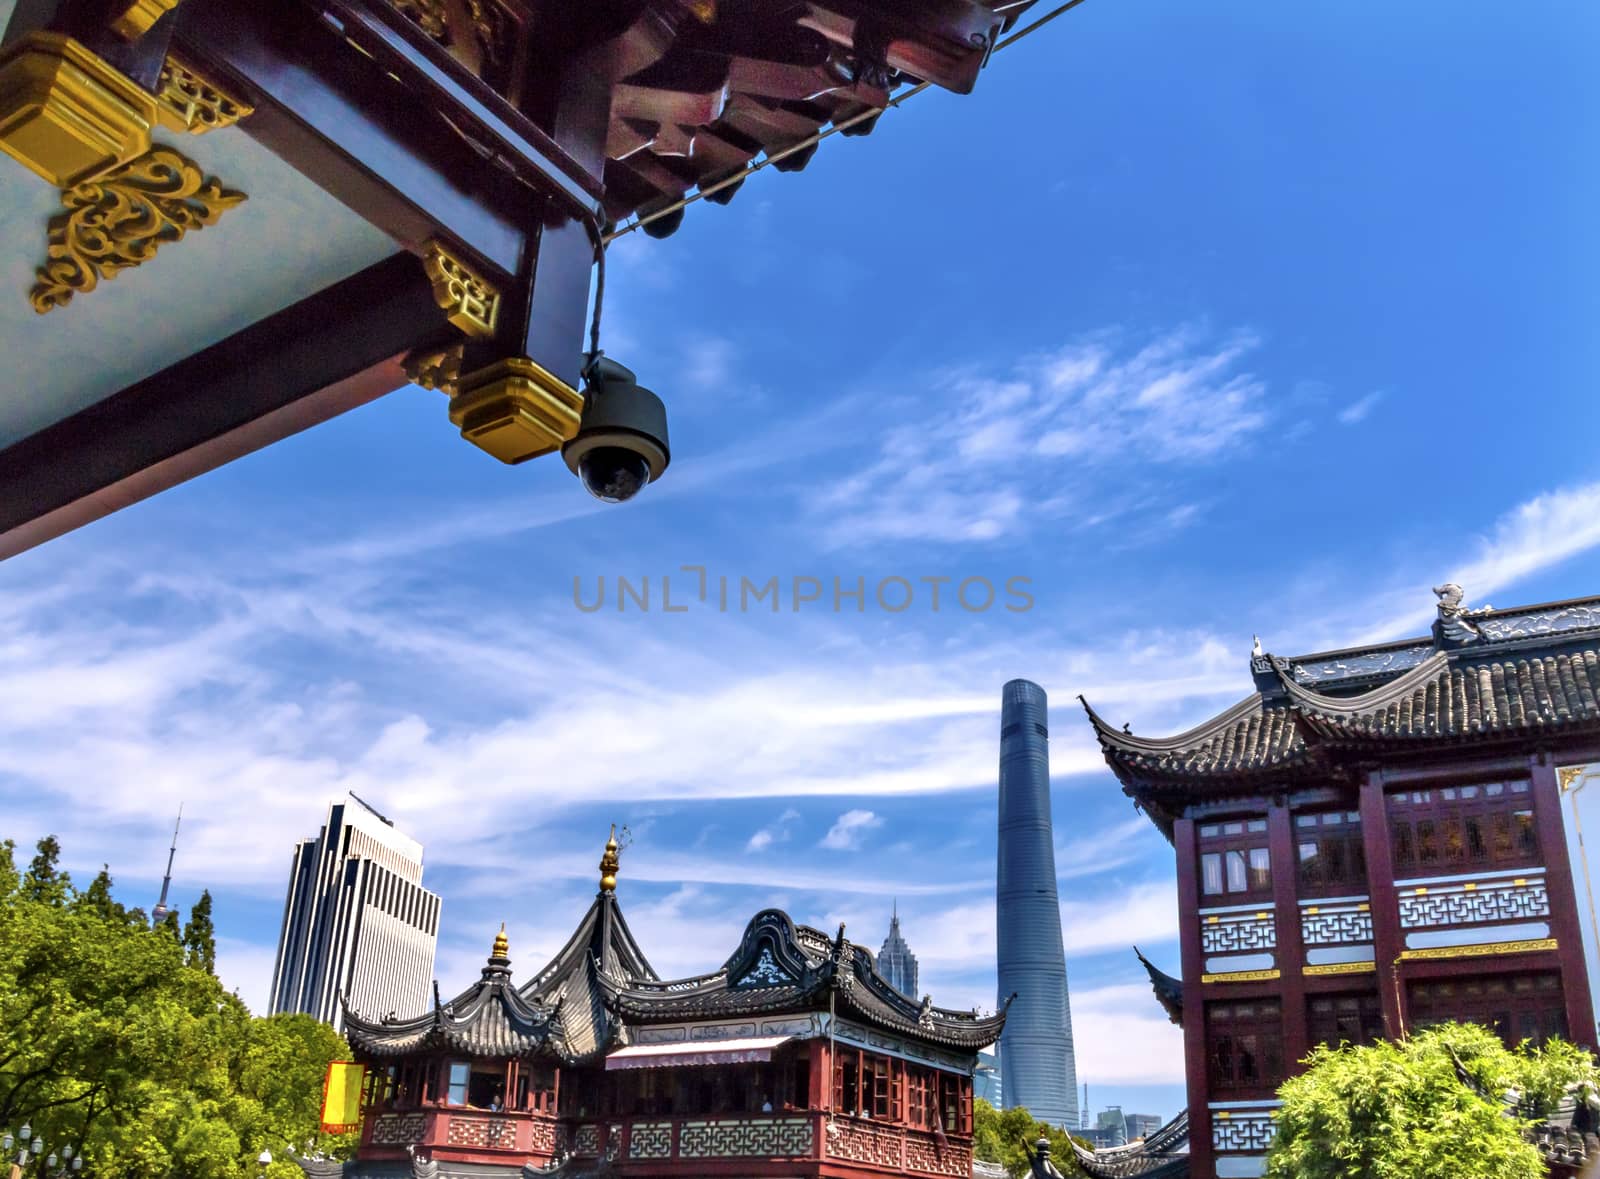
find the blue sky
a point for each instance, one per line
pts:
(1207, 320)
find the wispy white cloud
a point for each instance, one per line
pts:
(775, 832)
(1358, 410)
(1536, 535)
(975, 457)
(849, 830)
(1121, 1036)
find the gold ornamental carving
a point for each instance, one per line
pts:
(132, 19)
(475, 32)
(1239, 976)
(515, 409)
(434, 368)
(122, 219)
(1340, 968)
(68, 115)
(468, 300)
(1568, 776)
(1481, 949)
(192, 102)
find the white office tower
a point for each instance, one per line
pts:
(357, 922)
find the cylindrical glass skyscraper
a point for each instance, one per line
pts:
(1037, 1069)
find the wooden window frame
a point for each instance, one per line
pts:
(1224, 843)
(1240, 1030)
(1433, 829)
(1336, 863)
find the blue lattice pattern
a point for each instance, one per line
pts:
(1229, 933)
(1473, 901)
(1245, 1132)
(1338, 924)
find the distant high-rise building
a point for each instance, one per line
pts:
(1112, 1125)
(1143, 1125)
(1037, 1067)
(357, 922)
(986, 1079)
(896, 962)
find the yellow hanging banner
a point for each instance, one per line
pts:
(341, 1096)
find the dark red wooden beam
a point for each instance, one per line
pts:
(329, 353)
(375, 144)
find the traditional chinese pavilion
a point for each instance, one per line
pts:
(794, 1058)
(1373, 840)
(242, 218)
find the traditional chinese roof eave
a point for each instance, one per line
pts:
(800, 972)
(1163, 1155)
(1168, 990)
(489, 1020)
(1114, 740)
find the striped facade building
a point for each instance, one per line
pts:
(357, 922)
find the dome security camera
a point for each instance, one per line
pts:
(621, 442)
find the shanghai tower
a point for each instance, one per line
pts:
(1037, 1069)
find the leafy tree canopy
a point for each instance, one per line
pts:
(1401, 1111)
(998, 1136)
(118, 1039)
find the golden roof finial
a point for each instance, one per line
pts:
(502, 947)
(609, 863)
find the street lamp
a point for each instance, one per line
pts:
(67, 1163)
(265, 1160)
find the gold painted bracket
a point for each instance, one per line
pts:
(122, 219)
(132, 19)
(434, 368)
(1481, 949)
(468, 299)
(1239, 976)
(1340, 968)
(66, 114)
(515, 410)
(193, 102)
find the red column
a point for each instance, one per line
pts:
(1291, 952)
(1564, 912)
(1386, 939)
(1194, 1011)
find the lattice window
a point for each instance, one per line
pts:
(1234, 858)
(1244, 1043)
(1331, 856)
(1445, 829)
(1344, 1019)
(1516, 1007)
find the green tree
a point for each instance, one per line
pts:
(44, 882)
(1402, 1110)
(110, 1039)
(998, 1137)
(199, 937)
(9, 880)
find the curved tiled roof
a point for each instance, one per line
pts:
(1249, 737)
(1487, 675)
(488, 1019)
(781, 967)
(1163, 1155)
(601, 946)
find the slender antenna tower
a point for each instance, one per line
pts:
(159, 913)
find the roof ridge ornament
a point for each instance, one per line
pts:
(1454, 627)
(611, 862)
